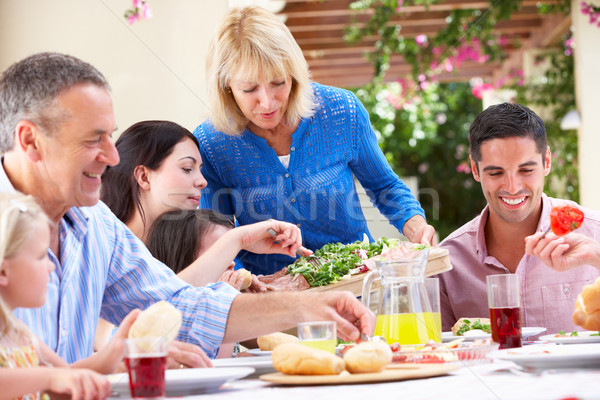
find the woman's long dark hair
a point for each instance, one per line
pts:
(176, 236)
(145, 143)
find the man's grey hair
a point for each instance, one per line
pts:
(29, 88)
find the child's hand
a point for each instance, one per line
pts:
(112, 353)
(232, 277)
(80, 384)
(187, 355)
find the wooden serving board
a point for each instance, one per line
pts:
(439, 261)
(406, 371)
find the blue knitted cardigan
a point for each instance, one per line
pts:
(246, 180)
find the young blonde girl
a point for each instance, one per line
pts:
(27, 366)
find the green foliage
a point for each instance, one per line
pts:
(462, 26)
(554, 91)
(424, 130)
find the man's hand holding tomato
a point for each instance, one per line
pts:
(563, 250)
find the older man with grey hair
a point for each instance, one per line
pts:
(56, 124)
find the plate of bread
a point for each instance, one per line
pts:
(366, 362)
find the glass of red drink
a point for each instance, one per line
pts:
(505, 305)
(146, 361)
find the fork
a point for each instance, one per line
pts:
(312, 259)
(547, 230)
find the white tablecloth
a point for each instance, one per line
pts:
(484, 381)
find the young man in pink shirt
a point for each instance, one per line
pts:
(510, 157)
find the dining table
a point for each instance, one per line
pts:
(491, 378)
(485, 381)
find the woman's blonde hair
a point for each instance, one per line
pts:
(254, 39)
(19, 216)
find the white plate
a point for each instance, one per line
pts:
(548, 356)
(261, 364)
(525, 332)
(182, 382)
(259, 352)
(583, 337)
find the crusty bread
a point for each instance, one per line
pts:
(297, 359)
(587, 307)
(271, 341)
(461, 322)
(368, 357)
(246, 278)
(159, 320)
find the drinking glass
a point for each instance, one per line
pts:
(146, 361)
(433, 321)
(318, 335)
(504, 303)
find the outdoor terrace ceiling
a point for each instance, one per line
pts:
(318, 26)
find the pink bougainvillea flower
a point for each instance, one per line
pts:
(592, 11)
(140, 10)
(132, 18)
(421, 40)
(479, 88)
(399, 6)
(146, 11)
(448, 65)
(463, 167)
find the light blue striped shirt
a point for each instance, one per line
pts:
(105, 271)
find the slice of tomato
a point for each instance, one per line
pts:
(564, 219)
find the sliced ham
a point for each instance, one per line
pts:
(395, 253)
(281, 281)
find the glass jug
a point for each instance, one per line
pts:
(404, 313)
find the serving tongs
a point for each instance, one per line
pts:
(312, 259)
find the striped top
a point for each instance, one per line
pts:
(106, 271)
(316, 191)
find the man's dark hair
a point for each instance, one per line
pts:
(506, 120)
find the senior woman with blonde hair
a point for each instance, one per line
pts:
(277, 145)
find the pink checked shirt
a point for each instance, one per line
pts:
(547, 296)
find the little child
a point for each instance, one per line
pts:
(24, 275)
(178, 237)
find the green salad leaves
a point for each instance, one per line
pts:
(334, 261)
(468, 325)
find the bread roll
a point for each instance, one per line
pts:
(297, 359)
(246, 278)
(271, 341)
(587, 307)
(159, 320)
(461, 322)
(368, 357)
